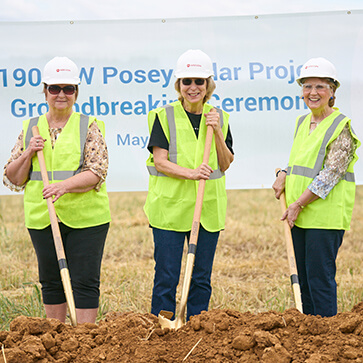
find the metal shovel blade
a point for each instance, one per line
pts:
(165, 322)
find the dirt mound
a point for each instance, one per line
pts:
(216, 336)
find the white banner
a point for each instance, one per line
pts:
(126, 69)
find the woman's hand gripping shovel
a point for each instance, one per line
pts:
(291, 256)
(64, 272)
(165, 316)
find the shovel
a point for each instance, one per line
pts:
(63, 268)
(165, 316)
(291, 256)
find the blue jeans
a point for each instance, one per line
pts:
(315, 252)
(168, 256)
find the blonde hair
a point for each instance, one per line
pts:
(211, 86)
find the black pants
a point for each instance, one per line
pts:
(84, 250)
(316, 252)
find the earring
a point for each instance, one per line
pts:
(331, 97)
(302, 97)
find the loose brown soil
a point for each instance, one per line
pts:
(216, 336)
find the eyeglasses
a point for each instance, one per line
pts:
(197, 81)
(67, 90)
(318, 87)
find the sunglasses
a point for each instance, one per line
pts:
(67, 90)
(197, 81)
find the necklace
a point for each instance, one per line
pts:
(315, 122)
(57, 123)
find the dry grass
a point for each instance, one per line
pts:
(250, 270)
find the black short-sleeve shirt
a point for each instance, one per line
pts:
(158, 138)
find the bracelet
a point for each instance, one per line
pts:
(299, 204)
(279, 171)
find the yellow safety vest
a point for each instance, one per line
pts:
(306, 160)
(76, 210)
(170, 201)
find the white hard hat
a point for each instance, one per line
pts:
(318, 67)
(60, 70)
(194, 64)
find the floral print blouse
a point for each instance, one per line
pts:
(339, 155)
(95, 155)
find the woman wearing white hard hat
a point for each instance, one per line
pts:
(76, 159)
(319, 186)
(177, 139)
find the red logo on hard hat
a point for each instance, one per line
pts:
(62, 70)
(315, 66)
(193, 65)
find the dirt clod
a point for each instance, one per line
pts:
(243, 342)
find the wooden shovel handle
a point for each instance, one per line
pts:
(201, 187)
(52, 214)
(180, 319)
(291, 255)
(58, 244)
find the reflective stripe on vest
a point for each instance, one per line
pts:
(301, 119)
(313, 172)
(60, 174)
(173, 152)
